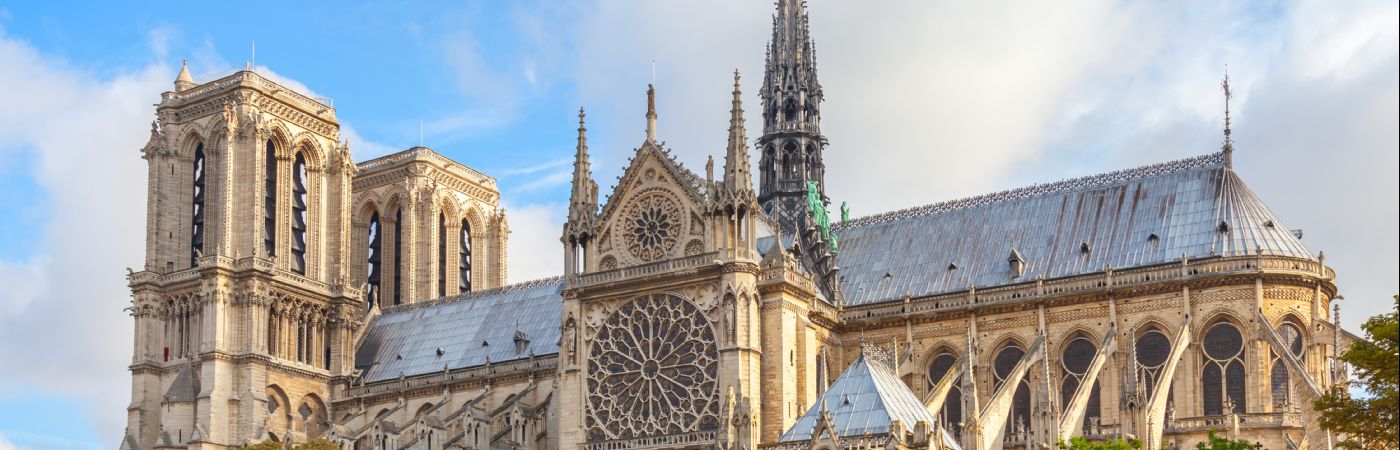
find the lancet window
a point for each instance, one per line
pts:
(1279, 384)
(398, 256)
(197, 207)
(1223, 378)
(299, 214)
(270, 199)
(1075, 361)
(464, 257)
(373, 249)
(442, 255)
(1002, 366)
(950, 415)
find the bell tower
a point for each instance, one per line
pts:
(792, 144)
(243, 315)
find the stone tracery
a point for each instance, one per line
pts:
(653, 370)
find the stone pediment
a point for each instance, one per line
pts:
(654, 212)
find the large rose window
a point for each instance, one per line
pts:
(652, 371)
(651, 227)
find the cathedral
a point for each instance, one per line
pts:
(308, 296)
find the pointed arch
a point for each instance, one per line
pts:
(1222, 376)
(279, 410)
(316, 155)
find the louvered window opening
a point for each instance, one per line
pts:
(270, 200)
(197, 206)
(464, 258)
(299, 214)
(374, 277)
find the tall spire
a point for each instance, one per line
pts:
(791, 146)
(184, 80)
(736, 159)
(651, 113)
(583, 200)
(1229, 146)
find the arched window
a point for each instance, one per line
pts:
(464, 257)
(373, 278)
(1222, 378)
(1005, 362)
(789, 155)
(270, 200)
(1075, 361)
(1278, 374)
(398, 256)
(197, 222)
(299, 214)
(951, 414)
(790, 111)
(1152, 349)
(442, 255)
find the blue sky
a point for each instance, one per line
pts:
(926, 101)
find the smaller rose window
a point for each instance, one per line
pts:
(651, 227)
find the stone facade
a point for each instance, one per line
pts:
(291, 294)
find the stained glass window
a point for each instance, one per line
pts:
(1223, 378)
(1078, 356)
(951, 413)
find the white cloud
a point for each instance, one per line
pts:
(928, 101)
(86, 134)
(5, 444)
(534, 250)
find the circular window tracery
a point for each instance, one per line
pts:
(653, 370)
(651, 227)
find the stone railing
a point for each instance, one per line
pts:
(672, 441)
(1226, 422)
(790, 276)
(426, 154)
(791, 127)
(547, 362)
(239, 265)
(1107, 280)
(688, 262)
(247, 77)
(869, 441)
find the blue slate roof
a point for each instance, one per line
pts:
(468, 328)
(864, 400)
(1150, 215)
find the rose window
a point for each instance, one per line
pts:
(652, 371)
(651, 227)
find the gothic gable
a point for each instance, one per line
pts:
(653, 214)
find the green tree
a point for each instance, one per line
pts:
(1082, 443)
(1368, 422)
(1214, 442)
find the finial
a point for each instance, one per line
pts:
(184, 80)
(651, 112)
(580, 116)
(1228, 147)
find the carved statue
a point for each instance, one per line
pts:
(570, 330)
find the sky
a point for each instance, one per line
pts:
(925, 101)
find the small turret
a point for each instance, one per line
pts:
(583, 206)
(184, 81)
(737, 175)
